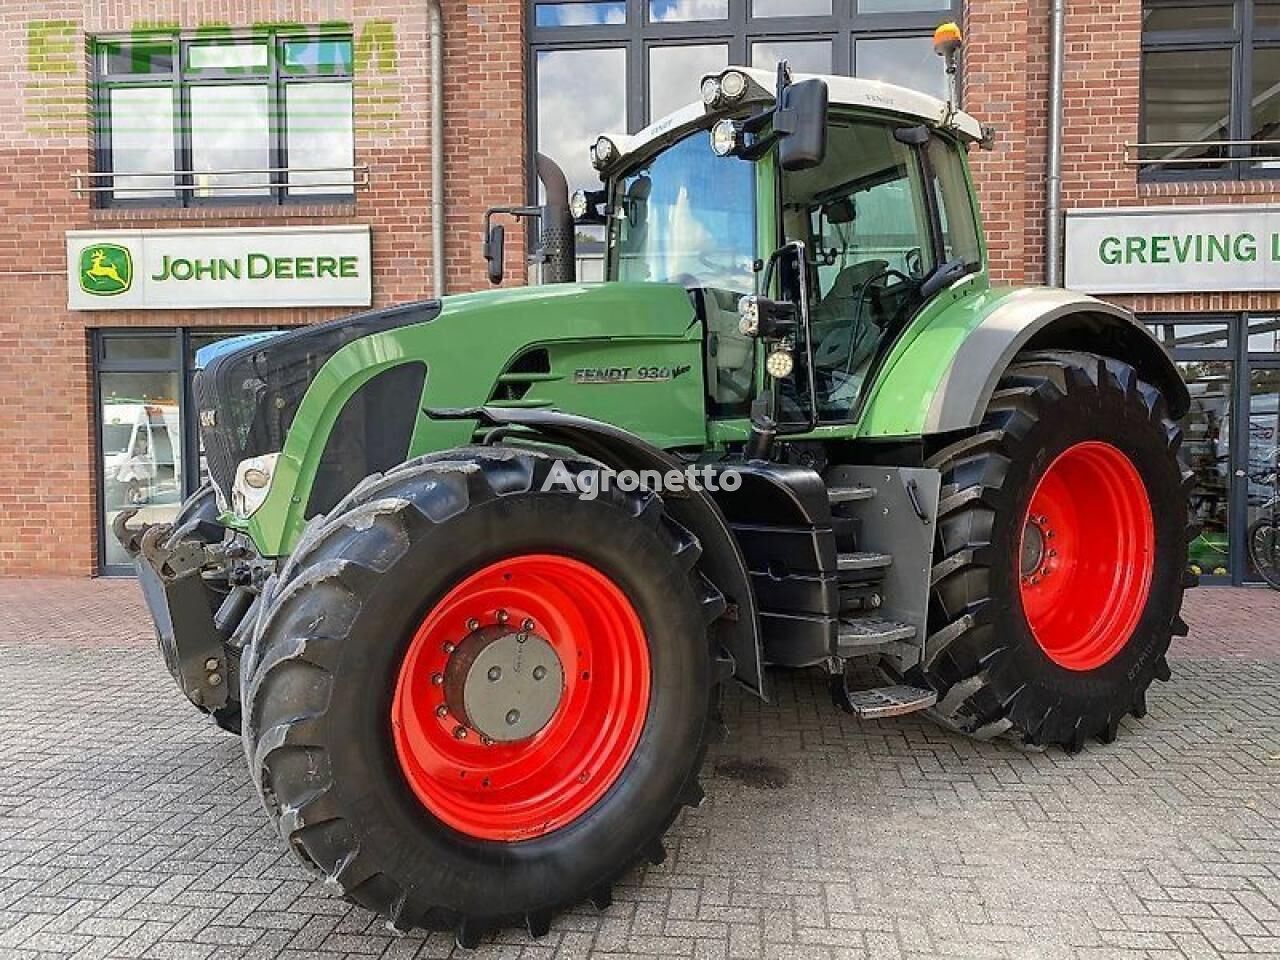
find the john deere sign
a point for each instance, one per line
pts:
(1173, 249)
(251, 267)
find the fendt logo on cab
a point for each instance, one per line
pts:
(105, 269)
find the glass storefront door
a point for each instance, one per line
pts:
(1262, 466)
(148, 455)
(1231, 365)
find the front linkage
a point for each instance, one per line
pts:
(197, 593)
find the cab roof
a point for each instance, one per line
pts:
(844, 92)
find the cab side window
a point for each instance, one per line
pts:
(864, 216)
(955, 206)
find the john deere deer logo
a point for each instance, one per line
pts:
(105, 269)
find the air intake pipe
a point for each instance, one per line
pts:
(558, 248)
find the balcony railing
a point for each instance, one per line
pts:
(274, 178)
(1219, 152)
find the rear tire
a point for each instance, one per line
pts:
(1001, 659)
(324, 675)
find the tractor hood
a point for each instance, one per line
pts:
(253, 389)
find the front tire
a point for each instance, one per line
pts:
(1060, 555)
(393, 780)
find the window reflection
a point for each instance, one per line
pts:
(142, 141)
(1264, 335)
(141, 443)
(675, 74)
(1197, 336)
(229, 132)
(671, 11)
(1263, 466)
(791, 8)
(906, 61)
(581, 94)
(1187, 99)
(579, 14)
(320, 135)
(804, 56)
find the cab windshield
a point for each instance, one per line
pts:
(688, 217)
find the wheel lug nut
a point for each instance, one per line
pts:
(486, 741)
(495, 674)
(513, 717)
(460, 733)
(502, 616)
(449, 648)
(527, 626)
(539, 672)
(442, 711)
(437, 679)
(473, 625)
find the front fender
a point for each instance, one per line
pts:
(942, 377)
(722, 560)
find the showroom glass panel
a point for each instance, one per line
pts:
(1266, 14)
(683, 11)
(791, 8)
(1264, 335)
(228, 57)
(1263, 466)
(1265, 115)
(907, 61)
(1183, 18)
(1193, 336)
(675, 75)
(1187, 100)
(136, 57)
(319, 135)
(804, 56)
(581, 94)
(140, 424)
(1206, 447)
(902, 6)
(140, 128)
(579, 14)
(229, 133)
(317, 56)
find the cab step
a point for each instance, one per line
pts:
(862, 562)
(865, 634)
(851, 494)
(880, 702)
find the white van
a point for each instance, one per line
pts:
(141, 451)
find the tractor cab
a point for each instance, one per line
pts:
(806, 198)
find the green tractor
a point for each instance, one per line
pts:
(472, 574)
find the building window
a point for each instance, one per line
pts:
(187, 120)
(620, 65)
(1210, 89)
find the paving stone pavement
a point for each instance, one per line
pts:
(128, 826)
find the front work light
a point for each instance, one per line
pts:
(726, 138)
(603, 153)
(780, 364)
(252, 484)
(579, 206)
(730, 87)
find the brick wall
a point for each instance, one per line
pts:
(47, 432)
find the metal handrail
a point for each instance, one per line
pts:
(359, 179)
(1132, 152)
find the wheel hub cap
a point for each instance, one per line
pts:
(504, 684)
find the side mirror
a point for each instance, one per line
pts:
(801, 123)
(495, 249)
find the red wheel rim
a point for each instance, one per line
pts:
(1086, 551)
(509, 791)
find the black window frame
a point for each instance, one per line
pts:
(739, 31)
(275, 78)
(1241, 40)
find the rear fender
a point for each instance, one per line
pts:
(722, 561)
(997, 325)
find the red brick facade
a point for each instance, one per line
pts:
(47, 496)
(47, 433)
